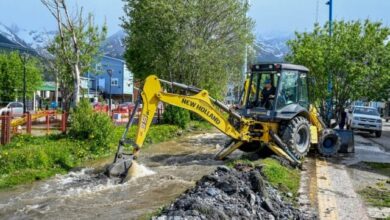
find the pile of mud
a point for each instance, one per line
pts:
(239, 193)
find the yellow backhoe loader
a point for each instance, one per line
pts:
(287, 124)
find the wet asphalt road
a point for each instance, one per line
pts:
(337, 180)
(384, 140)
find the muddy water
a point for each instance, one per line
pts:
(165, 171)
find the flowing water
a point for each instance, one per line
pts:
(165, 171)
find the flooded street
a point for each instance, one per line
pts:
(165, 171)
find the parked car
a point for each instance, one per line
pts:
(126, 106)
(365, 119)
(16, 108)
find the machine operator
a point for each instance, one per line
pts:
(267, 93)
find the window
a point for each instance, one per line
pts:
(303, 96)
(366, 111)
(287, 93)
(114, 82)
(99, 67)
(15, 105)
(257, 85)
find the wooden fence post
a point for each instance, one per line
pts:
(5, 128)
(47, 123)
(28, 123)
(64, 119)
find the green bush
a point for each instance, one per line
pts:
(93, 126)
(195, 117)
(176, 116)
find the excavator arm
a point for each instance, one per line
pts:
(200, 103)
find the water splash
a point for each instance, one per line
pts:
(139, 170)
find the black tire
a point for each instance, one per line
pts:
(348, 127)
(297, 136)
(378, 134)
(329, 143)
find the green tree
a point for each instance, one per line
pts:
(11, 76)
(74, 48)
(357, 56)
(197, 42)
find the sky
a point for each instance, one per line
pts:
(272, 17)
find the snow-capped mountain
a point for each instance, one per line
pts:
(32, 39)
(114, 46)
(9, 37)
(267, 48)
(271, 49)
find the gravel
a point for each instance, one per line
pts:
(232, 193)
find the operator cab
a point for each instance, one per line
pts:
(276, 92)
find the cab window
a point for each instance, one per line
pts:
(303, 99)
(288, 91)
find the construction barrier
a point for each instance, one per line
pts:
(43, 120)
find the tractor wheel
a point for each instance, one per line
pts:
(297, 136)
(329, 143)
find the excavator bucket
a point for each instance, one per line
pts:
(123, 161)
(347, 141)
(120, 168)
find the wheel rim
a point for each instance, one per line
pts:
(328, 143)
(301, 140)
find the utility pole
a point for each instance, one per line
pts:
(23, 58)
(109, 71)
(330, 86)
(245, 67)
(317, 10)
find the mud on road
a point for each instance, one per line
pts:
(232, 193)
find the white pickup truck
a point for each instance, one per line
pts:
(365, 119)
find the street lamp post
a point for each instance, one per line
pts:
(109, 71)
(330, 86)
(23, 58)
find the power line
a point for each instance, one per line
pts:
(317, 10)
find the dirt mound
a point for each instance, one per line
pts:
(239, 193)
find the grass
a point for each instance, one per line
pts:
(383, 168)
(376, 196)
(284, 178)
(27, 158)
(150, 215)
(281, 177)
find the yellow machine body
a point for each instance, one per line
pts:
(202, 105)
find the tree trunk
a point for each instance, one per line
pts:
(76, 83)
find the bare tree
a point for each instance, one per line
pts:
(77, 42)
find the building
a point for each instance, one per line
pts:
(110, 76)
(232, 94)
(230, 99)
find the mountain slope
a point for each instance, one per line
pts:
(30, 39)
(271, 48)
(114, 46)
